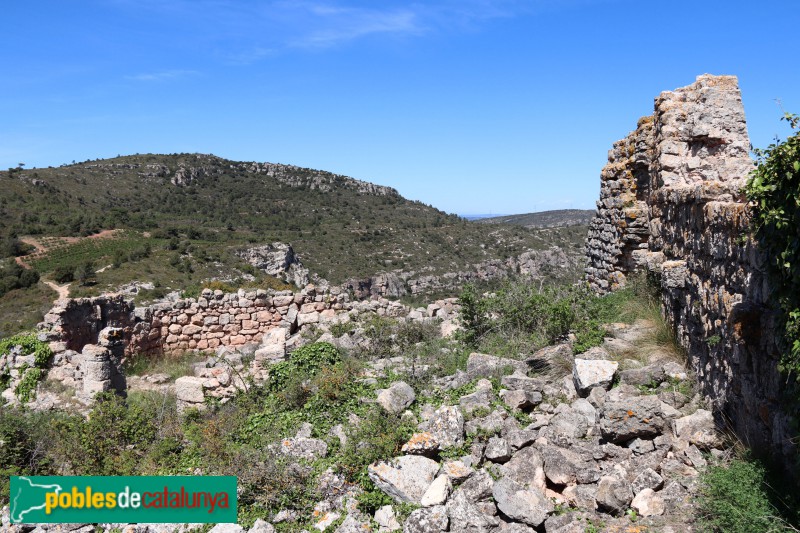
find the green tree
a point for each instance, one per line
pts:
(85, 273)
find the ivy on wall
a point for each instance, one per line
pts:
(774, 191)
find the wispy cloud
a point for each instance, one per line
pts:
(245, 32)
(334, 25)
(162, 75)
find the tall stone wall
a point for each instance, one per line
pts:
(671, 202)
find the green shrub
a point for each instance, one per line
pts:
(302, 364)
(538, 315)
(111, 442)
(63, 274)
(737, 499)
(25, 439)
(30, 344)
(26, 388)
(773, 189)
(13, 276)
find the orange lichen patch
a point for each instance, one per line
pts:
(456, 469)
(421, 442)
(630, 413)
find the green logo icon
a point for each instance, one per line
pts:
(120, 499)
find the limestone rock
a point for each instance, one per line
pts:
(304, 448)
(421, 444)
(397, 397)
(497, 450)
(648, 503)
(386, 519)
(588, 374)
(518, 503)
(636, 417)
(647, 479)
(446, 426)
(190, 389)
(437, 492)
(406, 478)
(483, 366)
(427, 520)
(698, 429)
(613, 494)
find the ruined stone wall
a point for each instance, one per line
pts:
(214, 319)
(671, 202)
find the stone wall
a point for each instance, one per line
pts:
(214, 319)
(671, 202)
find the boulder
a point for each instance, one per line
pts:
(647, 479)
(261, 526)
(466, 516)
(526, 467)
(527, 505)
(497, 450)
(427, 520)
(698, 429)
(406, 478)
(386, 519)
(397, 397)
(304, 448)
(648, 503)
(482, 366)
(590, 373)
(479, 400)
(478, 487)
(641, 417)
(189, 389)
(446, 426)
(521, 399)
(421, 444)
(520, 382)
(613, 494)
(437, 493)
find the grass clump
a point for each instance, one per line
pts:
(174, 366)
(524, 316)
(738, 498)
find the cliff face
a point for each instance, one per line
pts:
(670, 202)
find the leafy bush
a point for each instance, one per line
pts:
(63, 274)
(13, 276)
(13, 247)
(112, 442)
(26, 388)
(30, 344)
(303, 363)
(773, 189)
(25, 439)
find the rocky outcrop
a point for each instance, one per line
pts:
(671, 203)
(279, 260)
(530, 264)
(316, 179)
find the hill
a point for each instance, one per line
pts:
(544, 219)
(176, 221)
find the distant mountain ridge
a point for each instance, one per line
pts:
(190, 217)
(544, 219)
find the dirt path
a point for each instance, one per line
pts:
(62, 290)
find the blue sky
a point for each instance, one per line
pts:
(473, 106)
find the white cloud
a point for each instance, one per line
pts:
(163, 75)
